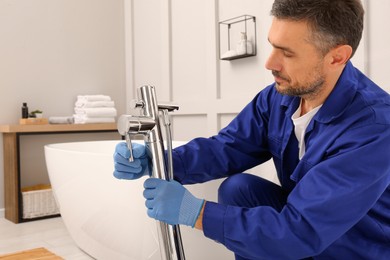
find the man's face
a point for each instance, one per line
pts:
(294, 61)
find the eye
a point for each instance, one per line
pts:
(287, 54)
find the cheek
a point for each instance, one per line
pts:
(299, 72)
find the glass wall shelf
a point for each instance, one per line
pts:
(237, 38)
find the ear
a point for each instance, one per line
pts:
(341, 55)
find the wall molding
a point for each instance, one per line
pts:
(129, 51)
(366, 39)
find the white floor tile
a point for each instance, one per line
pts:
(49, 233)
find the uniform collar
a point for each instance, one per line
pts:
(340, 97)
(337, 101)
(290, 104)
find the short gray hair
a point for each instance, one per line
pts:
(332, 22)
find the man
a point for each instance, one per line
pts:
(327, 128)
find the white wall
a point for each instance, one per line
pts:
(379, 42)
(174, 45)
(53, 50)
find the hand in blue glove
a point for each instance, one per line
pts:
(170, 202)
(131, 170)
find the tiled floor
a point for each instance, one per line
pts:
(49, 233)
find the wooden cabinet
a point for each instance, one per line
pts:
(11, 154)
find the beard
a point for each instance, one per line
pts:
(308, 89)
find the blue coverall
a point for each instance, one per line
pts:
(338, 203)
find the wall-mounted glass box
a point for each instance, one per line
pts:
(237, 37)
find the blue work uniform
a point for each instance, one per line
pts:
(338, 193)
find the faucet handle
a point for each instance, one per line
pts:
(167, 106)
(130, 147)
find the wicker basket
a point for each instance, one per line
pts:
(38, 201)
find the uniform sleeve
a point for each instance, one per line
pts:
(239, 146)
(332, 197)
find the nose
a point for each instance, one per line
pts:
(273, 62)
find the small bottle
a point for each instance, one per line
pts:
(244, 46)
(24, 110)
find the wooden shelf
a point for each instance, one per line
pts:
(57, 128)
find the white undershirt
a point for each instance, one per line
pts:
(301, 123)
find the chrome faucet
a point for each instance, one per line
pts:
(148, 124)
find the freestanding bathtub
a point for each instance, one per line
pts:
(106, 217)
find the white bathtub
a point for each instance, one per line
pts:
(106, 217)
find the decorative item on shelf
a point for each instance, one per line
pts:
(24, 110)
(36, 114)
(240, 30)
(33, 118)
(33, 121)
(244, 46)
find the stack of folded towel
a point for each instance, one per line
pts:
(94, 109)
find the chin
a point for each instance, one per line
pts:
(284, 90)
(280, 88)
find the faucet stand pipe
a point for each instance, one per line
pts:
(148, 124)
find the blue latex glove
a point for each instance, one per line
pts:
(170, 202)
(131, 170)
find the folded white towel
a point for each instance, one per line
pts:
(79, 119)
(96, 111)
(93, 98)
(61, 120)
(89, 104)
